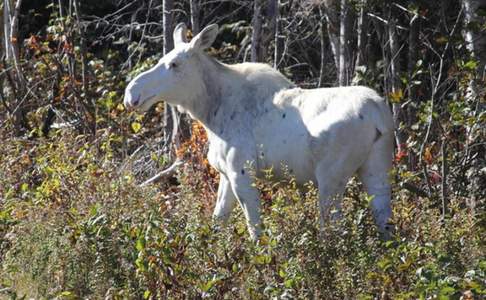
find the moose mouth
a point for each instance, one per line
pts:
(144, 104)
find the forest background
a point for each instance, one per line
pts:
(97, 202)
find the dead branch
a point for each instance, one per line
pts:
(164, 174)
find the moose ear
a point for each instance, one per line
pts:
(205, 38)
(179, 35)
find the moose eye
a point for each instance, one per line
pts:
(173, 65)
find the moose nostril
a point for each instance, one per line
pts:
(136, 101)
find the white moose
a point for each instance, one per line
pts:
(253, 114)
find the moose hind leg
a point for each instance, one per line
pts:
(374, 174)
(331, 179)
(226, 200)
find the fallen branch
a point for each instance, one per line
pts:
(163, 174)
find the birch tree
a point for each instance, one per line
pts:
(322, 36)
(331, 9)
(167, 7)
(395, 81)
(344, 55)
(274, 9)
(10, 24)
(171, 118)
(475, 35)
(361, 35)
(338, 15)
(195, 11)
(256, 38)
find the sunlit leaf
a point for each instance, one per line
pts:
(136, 127)
(396, 96)
(471, 65)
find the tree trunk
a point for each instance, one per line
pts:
(278, 40)
(445, 171)
(269, 11)
(338, 19)
(322, 35)
(12, 45)
(413, 35)
(167, 6)
(12, 57)
(256, 38)
(91, 101)
(396, 87)
(333, 28)
(474, 35)
(3, 34)
(410, 111)
(194, 4)
(361, 58)
(171, 119)
(6, 29)
(343, 43)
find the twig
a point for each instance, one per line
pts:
(443, 151)
(415, 14)
(129, 159)
(385, 21)
(165, 173)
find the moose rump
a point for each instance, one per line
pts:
(327, 135)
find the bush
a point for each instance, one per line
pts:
(72, 226)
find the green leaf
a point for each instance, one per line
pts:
(471, 65)
(446, 291)
(208, 285)
(146, 294)
(262, 259)
(24, 187)
(289, 283)
(140, 244)
(384, 264)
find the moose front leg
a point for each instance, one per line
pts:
(249, 201)
(243, 189)
(226, 200)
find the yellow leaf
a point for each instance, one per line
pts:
(396, 96)
(136, 127)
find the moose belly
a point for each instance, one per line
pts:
(283, 145)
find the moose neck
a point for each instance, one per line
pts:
(216, 93)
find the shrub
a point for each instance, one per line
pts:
(72, 226)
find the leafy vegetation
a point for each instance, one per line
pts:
(73, 226)
(75, 222)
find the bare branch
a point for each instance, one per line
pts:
(163, 174)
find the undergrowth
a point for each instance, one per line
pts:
(74, 225)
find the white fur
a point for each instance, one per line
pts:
(254, 115)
